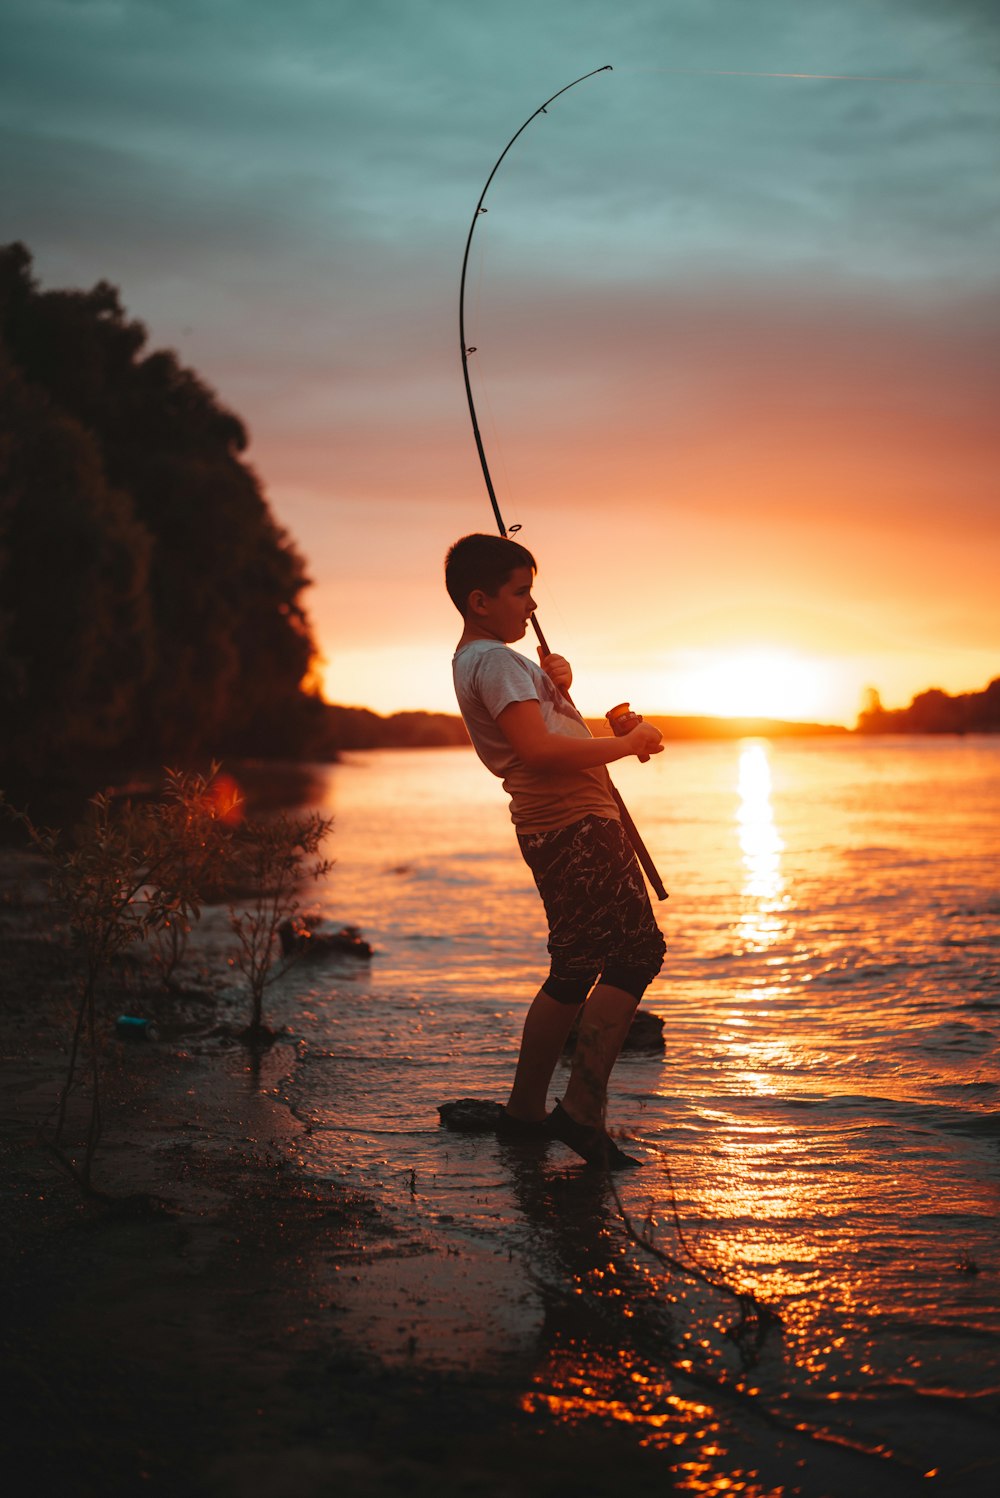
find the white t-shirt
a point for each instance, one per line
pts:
(489, 676)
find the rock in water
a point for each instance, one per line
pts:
(645, 1032)
(470, 1115)
(645, 1035)
(305, 936)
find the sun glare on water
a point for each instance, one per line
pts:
(751, 683)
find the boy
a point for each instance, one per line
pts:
(601, 925)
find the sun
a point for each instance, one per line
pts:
(751, 682)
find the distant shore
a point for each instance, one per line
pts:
(361, 728)
(57, 797)
(337, 729)
(705, 727)
(930, 712)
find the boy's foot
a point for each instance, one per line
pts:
(591, 1142)
(471, 1115)
(522, 1130)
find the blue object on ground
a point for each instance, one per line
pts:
(129, 1027)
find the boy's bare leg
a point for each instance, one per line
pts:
(546, 1029)
(603, 1028)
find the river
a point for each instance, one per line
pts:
(821, 1129)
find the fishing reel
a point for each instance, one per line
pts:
(622, 720)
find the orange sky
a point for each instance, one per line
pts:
(702, 482)
(738, 337)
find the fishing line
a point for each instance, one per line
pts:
(677, 1359)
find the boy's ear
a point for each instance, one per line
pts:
(477, 601)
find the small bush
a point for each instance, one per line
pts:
(129, 873)
(271, 860)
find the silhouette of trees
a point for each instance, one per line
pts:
(149, 602)
(935, 711)
(360, 728)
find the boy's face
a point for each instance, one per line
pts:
(505, 614)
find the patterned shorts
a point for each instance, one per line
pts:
(601, 924)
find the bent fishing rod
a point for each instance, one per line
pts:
(621, 721)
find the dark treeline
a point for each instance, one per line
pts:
(935, 711)
(150, 606)
(706, 727)
(931, 712)
(359, 728)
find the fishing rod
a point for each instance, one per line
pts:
(620, 718)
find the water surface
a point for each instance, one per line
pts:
(822, 1128)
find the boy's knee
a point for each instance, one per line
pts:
(630, 980)
(635, 975)
(571, 991)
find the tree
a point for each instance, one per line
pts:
(75, 631)
(935, 711)
(151, 603)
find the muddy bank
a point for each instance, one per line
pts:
(230, 1323)
(177, 1338)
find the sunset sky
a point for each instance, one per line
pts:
(738, 336)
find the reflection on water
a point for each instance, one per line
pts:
(827, 1105)
(620, 1343)
(760, 924)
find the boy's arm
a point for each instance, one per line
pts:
(524, 729)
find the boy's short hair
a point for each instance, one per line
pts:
(485, 562)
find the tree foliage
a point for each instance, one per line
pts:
(935, 711)
(149, 603)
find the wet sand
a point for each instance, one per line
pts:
(185, 1344)
(220, 1325)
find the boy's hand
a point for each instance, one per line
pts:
(557, 668)
(644, 740)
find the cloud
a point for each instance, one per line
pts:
(738, 331)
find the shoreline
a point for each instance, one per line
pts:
(189, 1348)
(214, 1348)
